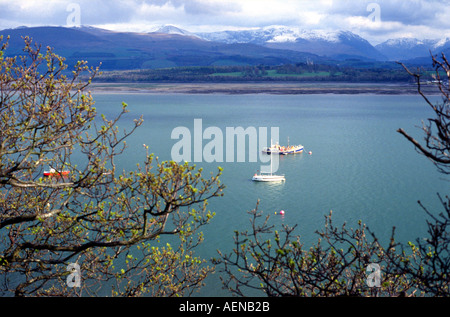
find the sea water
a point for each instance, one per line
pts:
(360, 167)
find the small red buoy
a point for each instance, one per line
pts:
(281, 212)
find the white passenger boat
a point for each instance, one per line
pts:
(283, 150)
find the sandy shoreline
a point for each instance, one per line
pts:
(260, 88)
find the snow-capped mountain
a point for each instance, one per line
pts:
(410, 48)
(443, 44)
(334, 44)
(337, 44)
(272, 34)
(170, 29)
(405, 48)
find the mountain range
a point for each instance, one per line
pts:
(412, 49)
(169, 46)
(337, 45)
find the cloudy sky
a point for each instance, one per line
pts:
(375, 20)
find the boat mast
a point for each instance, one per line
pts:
(271, 164)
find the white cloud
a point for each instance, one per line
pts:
(421, 18)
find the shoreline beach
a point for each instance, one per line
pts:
(263, 88)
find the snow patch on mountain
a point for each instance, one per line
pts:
(442, 43)
(409, 48)
(272, 34)
(170, 29)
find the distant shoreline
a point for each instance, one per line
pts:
(280, 88)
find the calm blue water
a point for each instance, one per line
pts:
(360, 167)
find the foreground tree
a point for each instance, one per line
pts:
(344, 262)
(94, 230)
(349, 262)
(437, 129)
(431, 268)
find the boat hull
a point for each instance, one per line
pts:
(268, 178)
(294, 150)
(56, 174)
